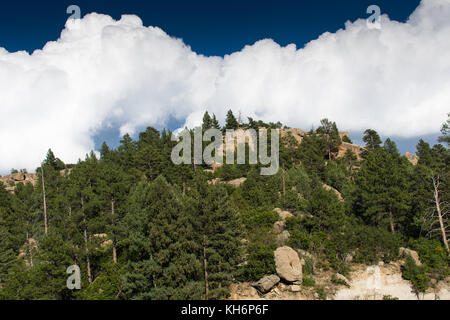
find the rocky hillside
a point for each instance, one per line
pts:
(299, 277)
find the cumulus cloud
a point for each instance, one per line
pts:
(102, 72)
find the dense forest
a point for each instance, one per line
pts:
(140, 227)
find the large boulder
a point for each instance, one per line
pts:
(405, 252)
(283, 238)
(288, 264)
(267, 283)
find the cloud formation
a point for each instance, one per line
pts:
(102, 73)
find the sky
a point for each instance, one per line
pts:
(129, 64)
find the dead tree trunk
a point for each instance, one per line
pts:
(436, 184)
(114, 252)
(45, 202)
(391, 221)
(284, 186)
(86, 249)
(205, 268)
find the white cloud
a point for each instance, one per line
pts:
(101, 71)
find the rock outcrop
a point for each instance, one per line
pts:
(385, 281)
(330, 188)
(342, 279)
(10, 181)
(357, 150)
(234, 183)
(283, 238)
(243, 291)
(267, 283)
(279, 227)
(405, 252)
(283, 214)
(413, 159)
(237, 182)
(288, 264)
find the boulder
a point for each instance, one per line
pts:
(288, 264)
(106, 243)
(18, 176)
(266, 284)
(404, 252)
(237, 182)
(283, 214)
(295, 288)
(304, 254)
(348, 258)
(279, 226)
(283, 238)
(342, 279)
(338, 194)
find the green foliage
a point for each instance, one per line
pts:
(321, 292)
(347, 139)
(308, 267)
(230, 122)
(382, 190)
(445, 130)
(140, 227)
(330, 134)
(259, 262)
(372, 139)
(259, 218)
(416, 275)
(433, 255)
(308, 280)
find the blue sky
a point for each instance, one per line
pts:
(210, 28)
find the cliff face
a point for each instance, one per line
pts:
(380, 281)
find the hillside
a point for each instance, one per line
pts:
(336, 221)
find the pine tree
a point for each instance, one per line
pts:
(207, 122)
(445, 130)
(161, 245)
(230, 122)
(219, 238)
(391, 148)
(382, 190)
(312, 154)
(330, 134)
(215, 123)
(372, 139)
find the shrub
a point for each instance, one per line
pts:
(308, 267)
(260, 261)
(321, 292)
(433, 256)
(259, 218)
(416, 274)
(308, 281)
